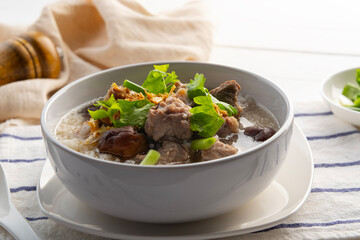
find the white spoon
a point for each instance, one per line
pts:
(10, 218)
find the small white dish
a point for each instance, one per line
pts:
(282, 198)
(331, 90)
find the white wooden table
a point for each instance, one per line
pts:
(296, 44)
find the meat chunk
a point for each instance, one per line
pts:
(228, 92)
(181, 93)
(183, 96)
(124, 142)
(218, 150)
(169, 119)
(174, 153)
(258, 133)
(231, 125)
(179, 85)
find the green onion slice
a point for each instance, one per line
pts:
(202, 144)
(133, 86)
(151, 158)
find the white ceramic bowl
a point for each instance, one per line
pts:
(168, 194)
(332, 88)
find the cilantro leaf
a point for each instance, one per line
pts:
(132, 113)
(161, 68)
(154, 82)
(231, 111)
(102, 113)
(106, 103)
(158, 80)
(204, 119)
(206, 124)
(196, 86)
(98, 114)
(170, 80)
(204, 100)
(122, 112)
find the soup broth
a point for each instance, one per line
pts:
(174, 122)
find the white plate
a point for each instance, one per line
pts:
(282, 198)
(331, 90)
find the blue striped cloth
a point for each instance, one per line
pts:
(332, 209)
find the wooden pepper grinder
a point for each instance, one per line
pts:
(31, 55)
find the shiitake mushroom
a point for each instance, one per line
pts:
(259, 134)
(125, 142)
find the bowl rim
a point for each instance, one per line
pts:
(328, 80)
(288, 122)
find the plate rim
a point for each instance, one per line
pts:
(339, 110)
(91, 230)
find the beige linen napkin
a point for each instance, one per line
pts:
(96, 35)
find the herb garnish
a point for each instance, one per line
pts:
(204, 119)
(122, 112)
(352, 92)
(196, 86)
(158, 80)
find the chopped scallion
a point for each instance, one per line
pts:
(151, 158)
(133, 86)
(351, 91)
(202, 144)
